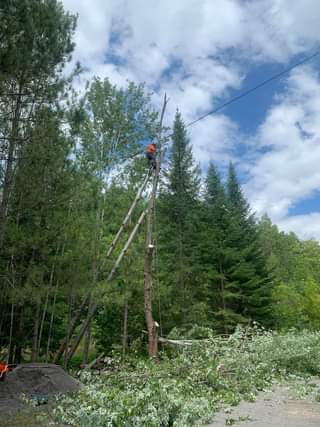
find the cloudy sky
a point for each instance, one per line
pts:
(202, 53)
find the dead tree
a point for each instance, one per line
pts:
(152, 325)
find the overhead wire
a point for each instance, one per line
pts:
(245, 93)
(254, 88)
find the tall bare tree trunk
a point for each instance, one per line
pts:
(87, 339)
(51, 320)
(35, 333)
(152, 325)
(86, 345)
(16, 350)
(125, 329)
(44, 312)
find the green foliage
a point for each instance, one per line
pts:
(36, 37)
(295, 266)
(71, 169)
(114, 123)
(177, 231)
(235, 269)
(185, 390)
(287, 307)
(248, 271)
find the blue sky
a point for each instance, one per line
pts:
(203, 52)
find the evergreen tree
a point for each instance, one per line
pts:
(248, 272)
(178, 228)
(37, 225)
(216, 256)
(35, 45)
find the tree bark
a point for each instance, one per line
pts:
(51, 320)
(35, 334)
(125, 328)
(86, 339)
(152, 325)
(86, 345)
(16, 350)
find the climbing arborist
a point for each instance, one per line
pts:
(151, 155)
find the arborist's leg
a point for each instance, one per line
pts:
(150, 160)
(154, 162)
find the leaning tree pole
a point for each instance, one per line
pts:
(152, 325)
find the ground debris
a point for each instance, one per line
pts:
(33, 379)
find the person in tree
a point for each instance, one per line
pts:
(151, 155)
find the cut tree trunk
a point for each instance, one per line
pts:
(152, 325)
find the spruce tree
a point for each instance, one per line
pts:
(216, 256)
(178, 227)
(248, 271)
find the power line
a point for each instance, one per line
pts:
(258, 86)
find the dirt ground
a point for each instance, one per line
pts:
(280, 408)
(36, 381)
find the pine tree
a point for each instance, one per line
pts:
(35, 46)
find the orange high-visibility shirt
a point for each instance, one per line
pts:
(151, 148)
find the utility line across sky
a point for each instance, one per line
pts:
(258, 86)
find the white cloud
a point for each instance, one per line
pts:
(144, 40)
(305, 226)
(214, 140)
(289, 171)
(197, 51)
(94, 29)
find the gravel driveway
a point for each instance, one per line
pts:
(277, 408)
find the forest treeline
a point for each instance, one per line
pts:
(70, 167)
